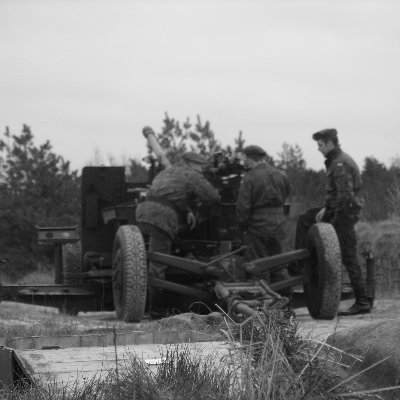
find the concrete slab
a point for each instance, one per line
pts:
(105, 339)
(75, 367)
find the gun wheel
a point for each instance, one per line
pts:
(71, 261)
(129, 279)
(324, 270)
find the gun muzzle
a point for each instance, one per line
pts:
(149, 134)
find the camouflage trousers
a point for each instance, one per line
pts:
(159, 242)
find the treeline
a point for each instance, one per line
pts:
(381, 187)
(38, 187)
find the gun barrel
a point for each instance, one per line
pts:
(148, 133)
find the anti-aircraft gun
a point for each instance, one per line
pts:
(208, 264)
(102, 264)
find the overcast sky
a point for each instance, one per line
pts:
(88, 75)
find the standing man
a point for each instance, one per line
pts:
(260, 206)
(342, 209)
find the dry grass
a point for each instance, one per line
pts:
(383, 237)
(383, 240)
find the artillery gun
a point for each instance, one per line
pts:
(102, 265)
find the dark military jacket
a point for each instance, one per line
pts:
(172, 192)
(343, 184)
(263, 191)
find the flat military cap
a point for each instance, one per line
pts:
(254, 150)
(325, 134)
(193, 157)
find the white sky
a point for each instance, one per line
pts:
(89, 74)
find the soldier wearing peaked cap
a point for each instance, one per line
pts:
(326, 134)
(342, 208)
(191, 156)
(254, 150)
(259, 207)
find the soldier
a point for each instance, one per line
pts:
(342, 209)
(260, 206)
(177, 196)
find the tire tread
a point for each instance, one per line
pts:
(130, 240)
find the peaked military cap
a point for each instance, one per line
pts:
(254, 150)
(193, 157)
(325, 134)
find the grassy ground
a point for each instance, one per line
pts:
(269, 360)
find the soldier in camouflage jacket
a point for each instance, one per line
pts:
(175, 196)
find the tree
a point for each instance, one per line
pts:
(291, 158)
(136, 172)
(37, 187)
(308, 186)
(376, 181)
(393, 191)
(176, 138)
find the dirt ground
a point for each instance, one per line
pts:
(384, 309)
(18, 319)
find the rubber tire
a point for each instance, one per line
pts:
(129, 279)
(71, 261)
(323, 288)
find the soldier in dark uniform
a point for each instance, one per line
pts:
(260, 206)
(342, 209)
(176, 195)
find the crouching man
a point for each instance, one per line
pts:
(176, 195)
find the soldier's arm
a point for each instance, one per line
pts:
(344, 187)
(243, 204)
(204, 191)
(288, 187)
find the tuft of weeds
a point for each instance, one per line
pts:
(185, 375)
(278, 364)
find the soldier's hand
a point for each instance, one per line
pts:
(320, 215)
(191, 220)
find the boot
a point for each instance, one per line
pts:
(361, 306)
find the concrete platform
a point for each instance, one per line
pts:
(73, 368)
(75, 359)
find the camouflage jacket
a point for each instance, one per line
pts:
(173, 191)
(263, 189)
(343, 183)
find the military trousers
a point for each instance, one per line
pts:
(344, 226)
(160, 242)
(260, 246)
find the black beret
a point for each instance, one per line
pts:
(325, 134)
(254, 150)
(193, 157)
